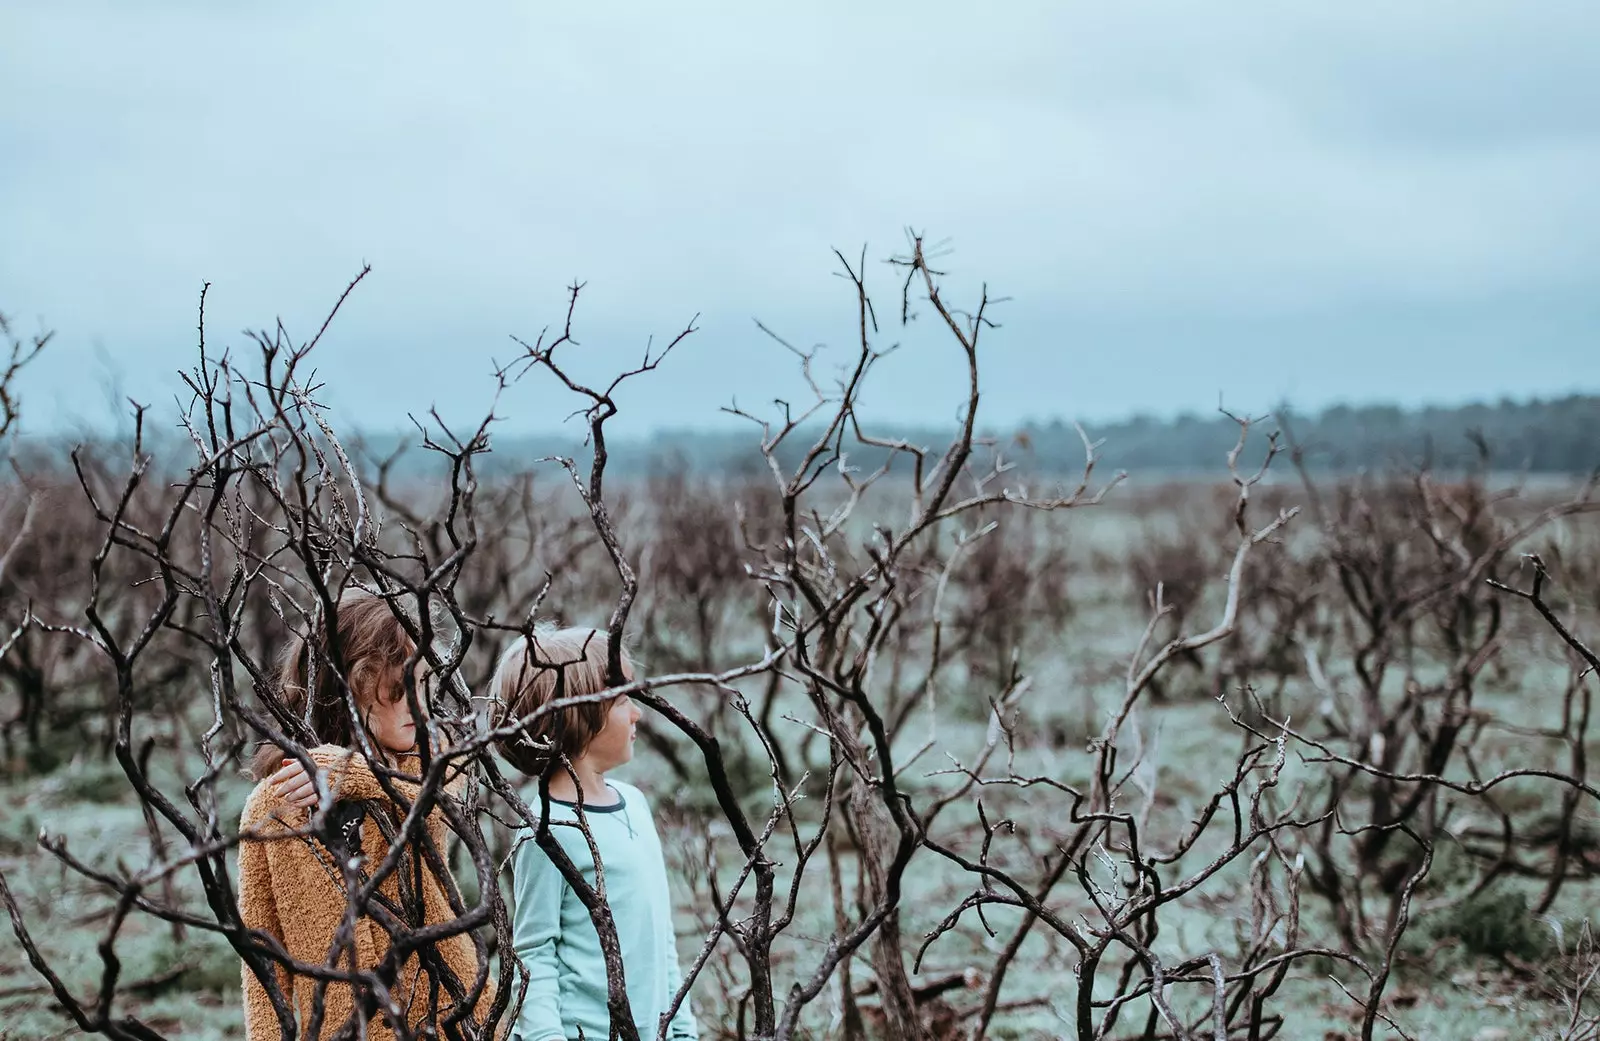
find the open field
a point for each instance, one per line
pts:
(1044, 614)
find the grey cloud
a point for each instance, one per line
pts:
(1162, 188)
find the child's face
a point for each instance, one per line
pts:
(613, 745)
(389, 719)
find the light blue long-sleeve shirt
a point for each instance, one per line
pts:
(556, 941)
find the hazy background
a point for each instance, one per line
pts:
(1324, 203)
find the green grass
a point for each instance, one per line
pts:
(1448, 985)
(67, 915)
(1462, 973)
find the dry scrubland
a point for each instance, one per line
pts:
(1249, 757)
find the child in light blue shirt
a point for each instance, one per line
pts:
(552, 933)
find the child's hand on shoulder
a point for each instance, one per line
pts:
(294, 786)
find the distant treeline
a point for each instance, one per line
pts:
(1556, 436)
(1560, 435)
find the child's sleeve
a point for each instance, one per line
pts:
(258, 910)
(683, 1026)
(535, 928)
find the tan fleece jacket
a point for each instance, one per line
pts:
(285, 889)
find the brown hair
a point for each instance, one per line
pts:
(561, 663)
(373, 650)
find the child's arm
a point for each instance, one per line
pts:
(535, 928)
(258, 910)
(682, 1026)
(351, 777)
(293, 786)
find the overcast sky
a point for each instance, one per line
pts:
(1319, 202)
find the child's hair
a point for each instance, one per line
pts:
(527, 678)
(373, 650)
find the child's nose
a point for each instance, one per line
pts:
(633, 710)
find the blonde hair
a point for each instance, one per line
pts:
(373, 649)
(559, 663)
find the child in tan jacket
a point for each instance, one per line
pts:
(291, 883)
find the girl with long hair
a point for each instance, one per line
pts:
(298, 870)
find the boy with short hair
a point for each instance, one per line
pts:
(552, 932)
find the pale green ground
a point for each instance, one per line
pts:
(1439, 993)
(204, 1005)
(65, 915)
